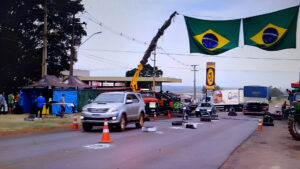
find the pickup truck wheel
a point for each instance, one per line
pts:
(122, 125)
(141, 121)
(294, 128)
(87, 127)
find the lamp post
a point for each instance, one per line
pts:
(73, 51)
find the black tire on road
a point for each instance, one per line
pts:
(122, 125)
(294, 128)
(140, 124)
(87, 127)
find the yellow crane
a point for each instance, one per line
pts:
(152, 46)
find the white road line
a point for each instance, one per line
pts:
(97, 146)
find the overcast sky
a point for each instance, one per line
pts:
(112, 54)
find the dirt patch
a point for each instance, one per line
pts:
(271, 148)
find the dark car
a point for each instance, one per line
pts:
(206, 111)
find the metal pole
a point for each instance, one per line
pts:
(44, 57)
(72, 49)
(154, 71)
(194, 69)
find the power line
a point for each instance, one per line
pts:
(193, 55)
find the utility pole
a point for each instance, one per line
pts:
(72, 48)
(194, 69)
(154, 71)
(44, 64)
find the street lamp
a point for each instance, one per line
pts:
(73, 51)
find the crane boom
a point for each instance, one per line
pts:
(152, 46)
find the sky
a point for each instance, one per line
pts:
(127, 25)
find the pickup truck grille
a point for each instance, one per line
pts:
(98, 110)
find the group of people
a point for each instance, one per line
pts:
(38, 103)
(13, 101)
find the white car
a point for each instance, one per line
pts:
(119, 108)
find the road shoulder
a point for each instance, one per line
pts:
(271, 148)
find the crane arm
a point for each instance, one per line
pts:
(147, 54)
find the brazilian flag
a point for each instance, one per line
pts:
(212, 37)
(272, 31)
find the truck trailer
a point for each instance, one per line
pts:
(226, 99)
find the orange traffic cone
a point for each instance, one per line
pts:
(105, 134)
(259, 126)
(169, 114)
(75, 124)
(154, 116)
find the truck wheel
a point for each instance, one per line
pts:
(141, 121)
(87, 127)
(294, 128)
(122, 125)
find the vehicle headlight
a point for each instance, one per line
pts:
(208, 109)
(197, 109)
(81, 117)
(114, 118)
(113, 110)
(84, 109)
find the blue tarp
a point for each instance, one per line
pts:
(256, 91)
(70, 97)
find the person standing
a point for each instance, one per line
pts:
(63, 109)
(33, 102)
(11, 101)
(2, 103)
(40, 104)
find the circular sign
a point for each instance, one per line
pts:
(210, 76)
(270, 35)
(210, 41)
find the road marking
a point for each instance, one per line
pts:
(176, 128)
(159, 132)
(97, 146)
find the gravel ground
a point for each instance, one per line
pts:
(271, 148)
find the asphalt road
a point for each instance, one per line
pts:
(206, 147)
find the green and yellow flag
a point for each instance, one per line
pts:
(272, 31)
(212, 37)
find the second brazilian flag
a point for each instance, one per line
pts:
(212, 37)
(272, 31)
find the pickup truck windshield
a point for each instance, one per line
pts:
(110, 98)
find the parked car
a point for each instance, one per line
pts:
(119, 108)
(204, 108)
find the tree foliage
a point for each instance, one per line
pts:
(275, 92)
(216, 88)
(146, 72)
(21, 39)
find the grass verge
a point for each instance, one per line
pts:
(11, 123)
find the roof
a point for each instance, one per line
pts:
(128, 79)
(74, 81)
(49, 80)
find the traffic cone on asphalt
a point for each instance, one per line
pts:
(105, 134)
(259, 126)
(75, 124)
(154, 116)
(169, 114)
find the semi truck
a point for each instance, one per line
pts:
(256, 100)
(226, 99)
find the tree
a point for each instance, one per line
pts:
(21, 42)
(146, 72)
(275, 92)
(216, 88)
